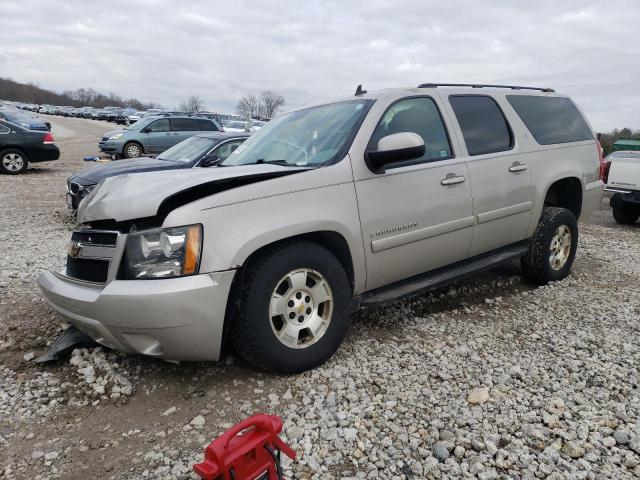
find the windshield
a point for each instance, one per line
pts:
(311, 137)
(189, 150)
(19, 117)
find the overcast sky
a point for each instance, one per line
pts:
(166, 50)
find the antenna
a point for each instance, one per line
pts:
(360, 91)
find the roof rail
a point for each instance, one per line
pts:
(479, 85)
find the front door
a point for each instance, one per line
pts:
(416, 216)
(183, 128)
(158, 137)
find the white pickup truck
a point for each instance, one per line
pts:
(624, 182)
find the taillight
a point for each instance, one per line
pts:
(48, 138)
(603, 165)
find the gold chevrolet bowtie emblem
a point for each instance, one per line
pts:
(301, 308)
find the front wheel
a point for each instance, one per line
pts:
(625, 215)
(13, 162)
(294, 308)
(132, 150)
(553, 246)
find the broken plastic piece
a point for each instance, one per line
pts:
(63, 346)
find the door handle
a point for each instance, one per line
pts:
(452, 179)
(518, 167)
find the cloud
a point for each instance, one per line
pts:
(164, 51)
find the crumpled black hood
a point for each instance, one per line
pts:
(98, 172)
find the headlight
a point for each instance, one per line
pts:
(117, 136)
(163, 253)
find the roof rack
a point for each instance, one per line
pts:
(479, 85)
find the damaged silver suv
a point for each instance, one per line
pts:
(327, 209)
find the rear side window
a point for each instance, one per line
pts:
(418, 115)
(183, 125)
(206, 125)
(484, 128)
(551, 119)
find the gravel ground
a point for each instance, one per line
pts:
(491, 378)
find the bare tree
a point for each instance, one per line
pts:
(248, 106)
(270, 103)
(194, 104)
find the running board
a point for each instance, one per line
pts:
(429, 281)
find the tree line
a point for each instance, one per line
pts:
(82, 97)
(608, 139)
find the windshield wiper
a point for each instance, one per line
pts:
(284, 163)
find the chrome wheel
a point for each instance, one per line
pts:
(133, 151)
(301, 308)
(13, 162)
(560, 247)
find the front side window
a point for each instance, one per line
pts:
(418, 115)
(551, 119)
(159, 126)
(484, 128)
(312, 137)
(183, 125)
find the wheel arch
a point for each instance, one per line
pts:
(15, 147)
(565, 192)
(137, 142)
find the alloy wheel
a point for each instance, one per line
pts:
(560, 247)
(301, 308)
(13, 162)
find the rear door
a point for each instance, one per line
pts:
(500, 176)
(158, 137)
(206, 125)
(183, 128)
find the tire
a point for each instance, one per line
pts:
(132, 150)
(551, 252)
(625, 216)
(257, 325)
(13, 162)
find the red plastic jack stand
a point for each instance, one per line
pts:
(248, 451)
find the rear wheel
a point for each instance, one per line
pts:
(13, 162)
(553, 247)
(132, 150)
(294, 308)
(626, 215)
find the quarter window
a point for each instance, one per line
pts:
(4, 129)
(183, 125)
(206, 125)
(227, 149)
(161, 125)
(484, 128)
(418, 115)
(551, 119)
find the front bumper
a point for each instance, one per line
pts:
(174, 319)
(111, 147)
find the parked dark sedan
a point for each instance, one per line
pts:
(203, 150)
(19, 146)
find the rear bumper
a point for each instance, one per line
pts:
(592, 198)
(45, 153)
(175, 319)
(626, 199)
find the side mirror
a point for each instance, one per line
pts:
(145, 130)
(210, 160)
(394, 148)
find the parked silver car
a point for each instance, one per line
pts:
(153, 135)
(325, 210)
